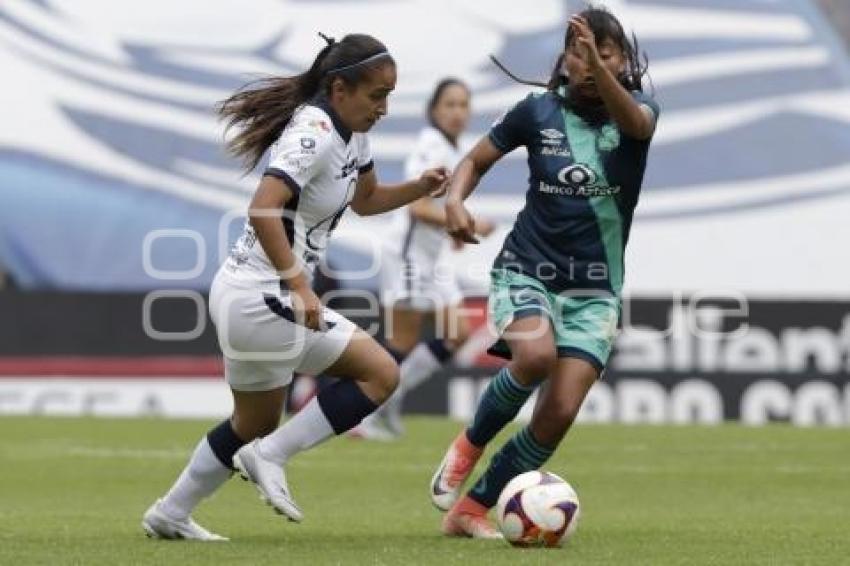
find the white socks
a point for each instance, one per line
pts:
(306, 429)
(417, 367)
(203, 475)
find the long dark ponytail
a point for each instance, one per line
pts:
(263, 108)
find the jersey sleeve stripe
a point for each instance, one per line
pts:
(366, 168)
(500, 145)
(285, 177)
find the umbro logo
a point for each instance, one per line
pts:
(551, 136)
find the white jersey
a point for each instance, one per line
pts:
(320, 159)
(414, 240)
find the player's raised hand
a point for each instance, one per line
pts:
(587, 40)
(433, 182)
(460, 224)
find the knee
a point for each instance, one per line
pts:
(533, 363)
(387, 378)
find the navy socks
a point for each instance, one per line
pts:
(502, 400)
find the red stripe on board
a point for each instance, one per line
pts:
(106, 367)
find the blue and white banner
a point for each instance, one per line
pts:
(113, 177)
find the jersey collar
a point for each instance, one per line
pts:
(322, 102)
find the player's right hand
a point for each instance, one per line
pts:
(307, 308)
(460, 224)
(433, 182)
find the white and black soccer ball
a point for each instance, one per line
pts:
(538, 509)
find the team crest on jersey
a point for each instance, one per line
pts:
(308, 145)
(608, 139)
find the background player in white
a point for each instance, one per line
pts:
(416, 276)
(269, 321)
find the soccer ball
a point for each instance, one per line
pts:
(537, 509)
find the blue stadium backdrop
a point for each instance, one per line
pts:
(113, 180)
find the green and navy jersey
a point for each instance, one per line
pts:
(584, 184)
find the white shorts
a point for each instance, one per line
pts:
(421, 284)
(261, 343)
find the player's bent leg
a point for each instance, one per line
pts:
(368, 376)
(368, 366)
(376, 425)
(532, 446)
(256, 414)
(533, 358)
(559, 404)
(504, 397)
(532, 346)
(211, 465)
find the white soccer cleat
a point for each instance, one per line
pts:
(372, 429)
(457, 464)
(390, 413)
(157, 524)
(269, 479)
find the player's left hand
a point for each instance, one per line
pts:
(586, 39)
(434, 182)
(460, 224)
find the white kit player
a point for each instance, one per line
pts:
(269, 321)
(417, 279)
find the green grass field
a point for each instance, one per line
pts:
(73, 492)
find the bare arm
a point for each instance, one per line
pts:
(459, 222)
(426, 210)
(372, 198)
(633, 119)
(472, 167)
(264, 215)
